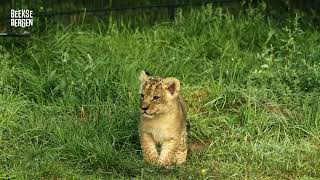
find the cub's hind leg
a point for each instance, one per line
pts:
(182, 151)
(181, 155)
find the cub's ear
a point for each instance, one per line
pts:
(143, 77)
(172, 85)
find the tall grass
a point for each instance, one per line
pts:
(69, 103)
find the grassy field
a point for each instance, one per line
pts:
(69, 100)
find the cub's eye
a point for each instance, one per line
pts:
(155, 98)
(142, 96)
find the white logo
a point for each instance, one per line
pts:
(21, 18)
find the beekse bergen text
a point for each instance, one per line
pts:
(21, 18)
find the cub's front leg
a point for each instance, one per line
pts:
(168, 149)
(148, 147)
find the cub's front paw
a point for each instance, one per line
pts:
(165, 162)
(151, 159)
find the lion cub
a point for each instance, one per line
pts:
(162, 120)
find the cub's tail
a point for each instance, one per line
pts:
(196, 146)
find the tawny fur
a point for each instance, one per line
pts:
(162, 121)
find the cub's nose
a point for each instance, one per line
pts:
(144, 106)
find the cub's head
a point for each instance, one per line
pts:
(157, 94)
